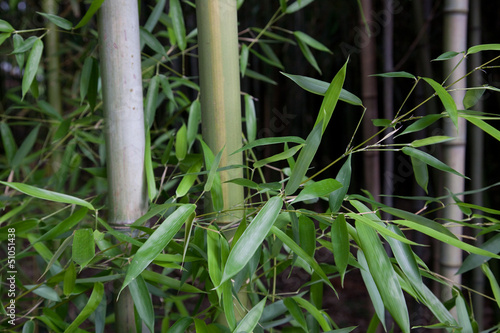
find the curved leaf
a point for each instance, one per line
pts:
(340, 243)
(90, 307)
(287, 153)
(178, 23)
(446, 99)
(5, 26)
(94, 6)
(248, 323)
(32, 66)
(430, 160)
(142, 302)
(344, 177)
(57, 20)
(270, 141)
(318, 189)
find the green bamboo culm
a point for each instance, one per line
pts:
(221, 105)
(119, 50)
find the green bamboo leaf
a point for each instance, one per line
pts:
(213, 171)
(274, 36)
(446, 99)
(269, 56)
(493, 282)
(372, 289)
(296, 312)
(21, 227)
(65, 225)
(151, 101)
(188, 179)
(304, 160)
(340, 243)
(18, 41)
(6, 27)
(306, 51)
(57, 20)
(474, 260)
(344, 177)
(270, 141)
(9, 144)
(47, 195)
(307, 232)
(157, 242)
(26, 45)
(228, 304)
(4, 36)
(45, 292)
(150, 40)
(25, 147)
(167, 89)
(472, 96)
(325, 326)
(94, 6)
(155, 15)
(85, 77)
(422, 123)
(382, 122)
(69, 279)
(425, 222)
(463, 315)
(200, 326)
(49, 110)
(421, 173)
(243, 59)
(181, 143)
(311, 41)
(434, 304)
(257, 76)
(90, 307)
(252, 238)
(216, 190)
(193, 121)
(142, 302)
(181, 325)
(278, 157)
(29, 327)
(447, 55)
(318, 189)
(148, 166)
(484, 126)
(302, 254)
(320, 87)
(169, 282)
(297, 5)
(383, 274)
(83, 249)
(396, 75)
(331, 97)
(250, 119)
(178, 23)
(430, 160)
(250, 321)
(32, 66)
(432, 140)
(483, 47)
(213, 255)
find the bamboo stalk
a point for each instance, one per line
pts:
(125, 135)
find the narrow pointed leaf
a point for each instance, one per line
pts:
(483, 47)
(157, 242)
(446, 56)
(320, 87)
(150, 40)
(250, 119)
(446, 99)
(396, 75)
(57, 20)
(270, 141)
(181, 143)
(493, 282)
(472, 96)
(142, 302)
(244, 59)
(252, 238)
(463, 315)
(297, 5)
(216, 189)
(213, 171)
(340, 243)
(372, 289)
(47, 195)
(69, 279)
(430, 160)
(344, 177)
(318, 189)
(287, 153)
(94, 6)
(150, 102)
(421, 172)
(422, 123)
(473, 260)
(311, 41)
(90, 307)
(383, 274)
(325, 326)
(258, 76)
(6, 27)
(432, 140)
(485, 127)
(306, 51)
(9, 144)
(304, 160)
(193, 121)
(32, 66)
(250, 321)
(296, 312)
(83, 248)
(178, 23)
(188, 179)
(148, 166)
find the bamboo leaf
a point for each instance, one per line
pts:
(340, 243)
(243, 59)
(90, 307)
(29, 327)
(270, 141)
(472, 96)
(32, 66)
(372, 289)
(325, 326)
(278, 157)
(148, 166)
(4, 36)
(178, 23)
(24, 46)
(188, 179)
(49, 110)
(157, 242)
(344, 177)
(83, 249)
(474, 260)
(484, 126)
(447, 55)
(483, 47)
(150, 40)
(383, 274)
(69, 279)
(94, 6)
(297, 5)
(181, 325)
(430, 160)
(396, 75)
(270, 57)
(47, 195)
(250, 321)
(5, 26)
(17, 41)
(432, 140)
(257, 76)
(296, 312)
(318, 189)
(193, 121)
(252, 238)
(446, 99)
(306, 51)
(142, 302)
(155, 15)
(213, 171)
(151, 101)
(181, 143)
(250, 119)
(307, 232)
(216, 190)
(311, 41)
(421, 173)
(9, 144)
(57, 20)
(305, 158)
(213, 255)
(44, 291)
(422, 123)
(463, 314)
(65, 225)
(302, 254)
(493, 282)
(169, 282)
